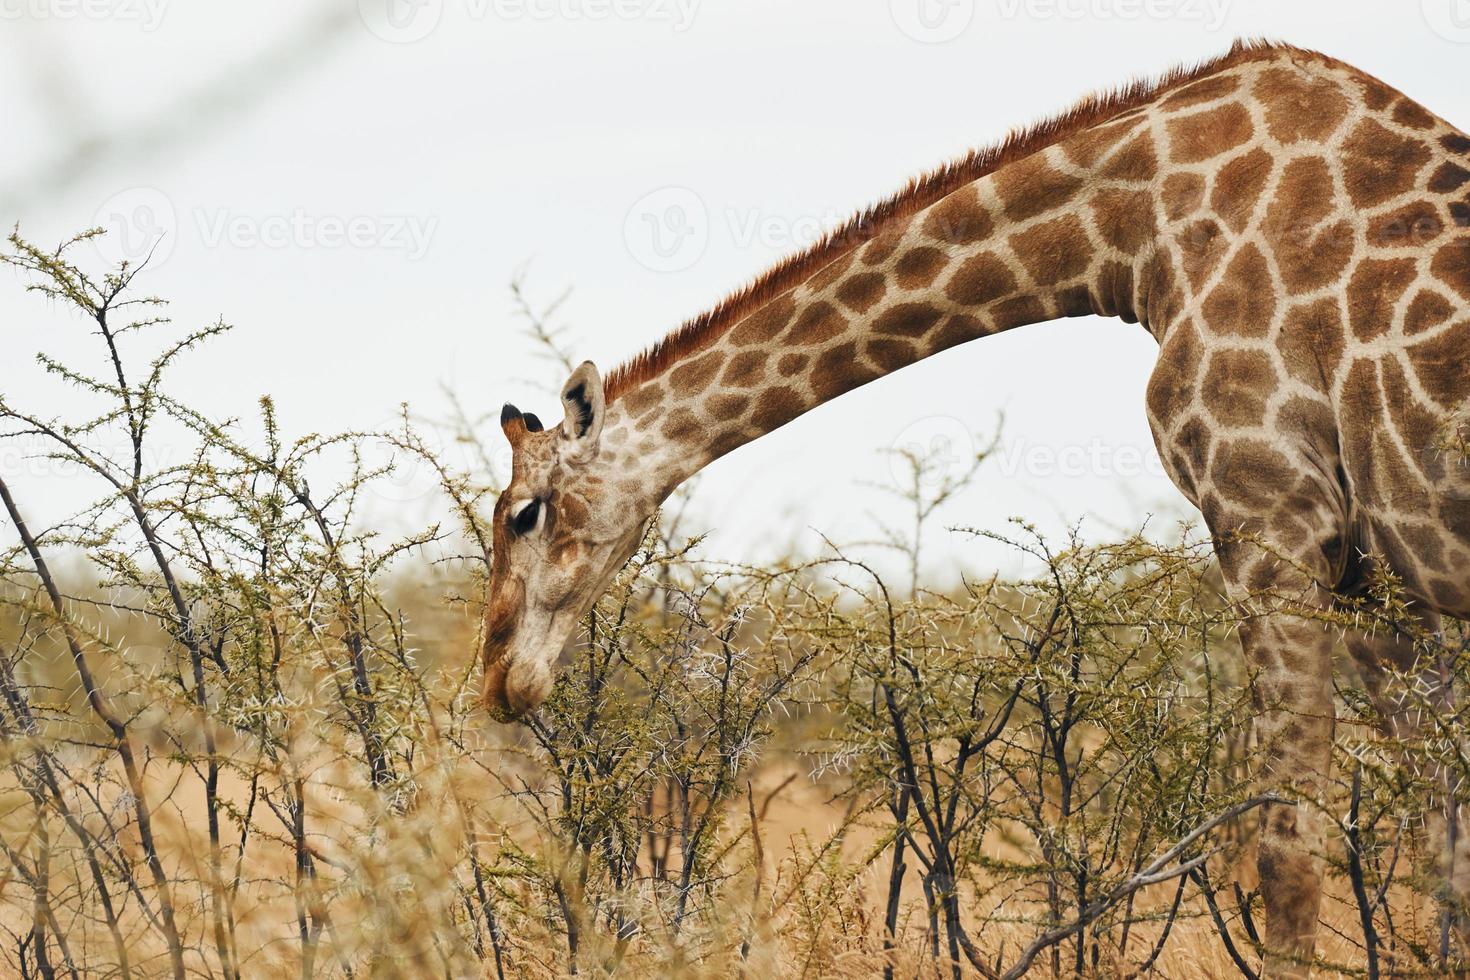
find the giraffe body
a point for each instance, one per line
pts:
(1293, 232)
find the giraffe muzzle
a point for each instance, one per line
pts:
(515, 686)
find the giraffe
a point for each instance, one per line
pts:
(1293, 232)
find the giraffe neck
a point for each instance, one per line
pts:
(1067, 231)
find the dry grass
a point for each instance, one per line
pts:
(242, 736)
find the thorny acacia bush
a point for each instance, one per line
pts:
(242, 737)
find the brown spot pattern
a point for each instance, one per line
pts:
(724, 407)
(980, 280)
(1449, 177)
(1412, 115)
(1381, 164)
(745, 369)
(1312, 342)
(1238, 187)
(890, 354)
(1236, 386)
(1032, 187)
(1205, 90)
(1134, 162)
(1410, 226)
(765, 323)
(1299, 107)
(792, 363)
(833, 271)
(862, 292)
(1242, 303)
(1124, 218)
(1053, 252)
(918, 267)
(1310, 250)
(1451, 266)
(1439, 364)
(1183, 194)
(961, 328)
(907, 320)
(959, 219)
(776, 407)
(819, 322)
(1373, 291)
(694, 376)
(1427, 311)
(1210, 133)
(1202, 245)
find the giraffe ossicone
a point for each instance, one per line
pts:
(1294, 233)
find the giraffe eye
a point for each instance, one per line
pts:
(524, 521)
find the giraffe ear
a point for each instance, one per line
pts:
(512, 423)
(581, 400)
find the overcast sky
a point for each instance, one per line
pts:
(353, 185)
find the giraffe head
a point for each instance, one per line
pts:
(560, 535)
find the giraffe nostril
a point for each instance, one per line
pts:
(515, 686)
(527, 685)
(494, 696)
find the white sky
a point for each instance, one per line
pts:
(552, 131)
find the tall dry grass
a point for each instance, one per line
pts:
(242, 735)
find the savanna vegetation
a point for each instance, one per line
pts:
(242, 735)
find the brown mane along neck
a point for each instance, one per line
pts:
(698, 333)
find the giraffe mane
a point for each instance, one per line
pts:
(699, 332)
